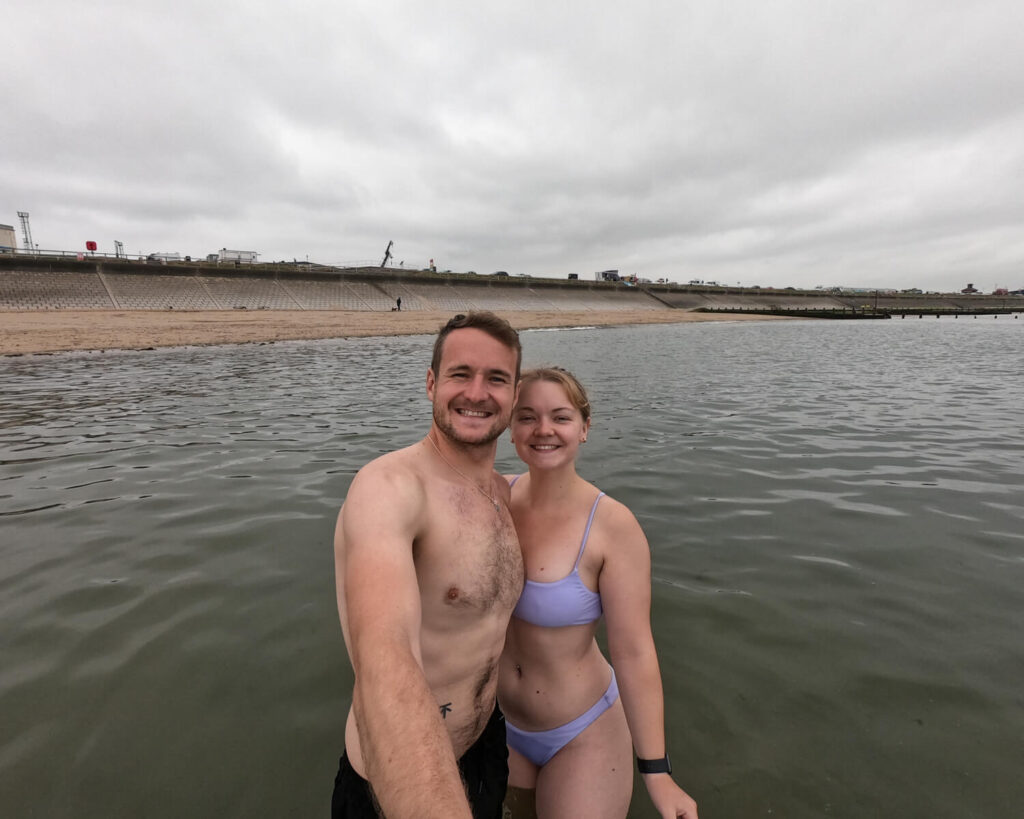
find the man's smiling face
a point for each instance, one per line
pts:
(474, 388)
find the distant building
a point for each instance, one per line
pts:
(241, 256)
(7, 243)
(970, 289)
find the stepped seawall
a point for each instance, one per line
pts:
(45, 283)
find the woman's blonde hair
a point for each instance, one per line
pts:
(558, 375)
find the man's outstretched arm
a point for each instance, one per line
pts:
(406, 750)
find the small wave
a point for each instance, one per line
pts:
(695, 590)
(27, 511)
(830, 561)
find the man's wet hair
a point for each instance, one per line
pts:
(495, 326)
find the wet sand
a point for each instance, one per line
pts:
(65, 330)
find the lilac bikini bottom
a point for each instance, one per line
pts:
(540, 746)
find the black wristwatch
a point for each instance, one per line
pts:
(649, 766)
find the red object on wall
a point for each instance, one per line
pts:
(90, 245)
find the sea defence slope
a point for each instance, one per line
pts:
(65, 283)
(45, 284)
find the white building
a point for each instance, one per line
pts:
(7, 242)
(243, 256)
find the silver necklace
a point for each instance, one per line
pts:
(461, 474)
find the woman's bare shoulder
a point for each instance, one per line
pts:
(617, 522)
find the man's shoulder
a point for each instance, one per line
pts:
(388, 494)
(397, 460)
(399, 469)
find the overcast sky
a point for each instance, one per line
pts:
(802, 142)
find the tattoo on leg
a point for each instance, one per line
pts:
(445, 709)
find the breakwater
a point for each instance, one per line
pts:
(42, 283)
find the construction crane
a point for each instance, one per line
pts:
(26, 231)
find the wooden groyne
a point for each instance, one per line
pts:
(801, 312)
(854, 313)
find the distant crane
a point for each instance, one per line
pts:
(387, 254)
(26, 231)
(119, 250)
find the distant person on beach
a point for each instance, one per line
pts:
(573, 719)
(398, 304)
(428, 570)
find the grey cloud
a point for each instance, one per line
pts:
(775, 143)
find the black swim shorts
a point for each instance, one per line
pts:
(484, 769)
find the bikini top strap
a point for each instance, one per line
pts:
(586, 533)
(512, 482)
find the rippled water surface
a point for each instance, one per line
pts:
(836, 512)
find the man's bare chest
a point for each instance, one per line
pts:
(470, 560)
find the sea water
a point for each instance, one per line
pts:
(835, 511)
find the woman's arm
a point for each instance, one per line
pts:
(625, 586)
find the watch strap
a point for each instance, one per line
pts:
(654, 766)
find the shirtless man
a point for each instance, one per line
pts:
(428, 570)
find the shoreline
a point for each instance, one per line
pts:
(59, 331)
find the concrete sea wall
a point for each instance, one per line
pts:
(41, 283)
(71, 285)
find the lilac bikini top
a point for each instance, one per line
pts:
(565, 602)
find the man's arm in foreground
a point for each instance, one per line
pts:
(406, 750)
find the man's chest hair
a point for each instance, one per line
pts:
(471, 566)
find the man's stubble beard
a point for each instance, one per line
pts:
(441, 420)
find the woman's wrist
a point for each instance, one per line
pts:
(661, 765)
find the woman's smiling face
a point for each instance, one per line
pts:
(547, 428)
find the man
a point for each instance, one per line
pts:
(428, 570)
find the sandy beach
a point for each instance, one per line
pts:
(24, 333)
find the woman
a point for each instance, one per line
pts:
(569, 716)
